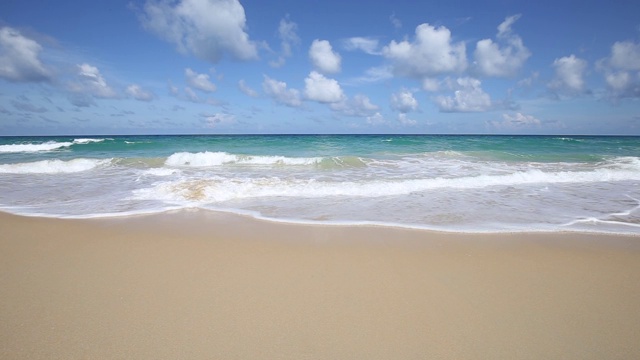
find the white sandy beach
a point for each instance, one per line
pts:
(199, 285)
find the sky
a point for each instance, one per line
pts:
(315, 67)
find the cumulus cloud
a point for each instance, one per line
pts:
(246, 89)
(136, 92)
(569, 74)
(208, 29)
(91, 82)
(359, 105)
(619, 81)
(288, 38)
(376, 119)
(199, 81)
(323, 58)
(504, 57)
(278, 91)
(19, 58)
(469, 98)
(321, 89)
(517, 120)
(431, 53)
(367, 45)
(625, 55)
(405, 120)
(403, 101)
(622, 70)
(430, 84)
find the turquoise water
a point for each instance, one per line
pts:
(450, 183)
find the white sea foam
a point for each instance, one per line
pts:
(208, 159)
(53, 166)
(452, 188)
(45, 146)
(87, 141)
(161, 172)
(218, 189)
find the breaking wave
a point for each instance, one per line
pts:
(45, 146)
(53, 166)
(218, 189)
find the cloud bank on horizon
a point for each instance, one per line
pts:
(225, 66)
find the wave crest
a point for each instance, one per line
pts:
(53, 166)
(218, 189)
(45, 146)
(209, 159)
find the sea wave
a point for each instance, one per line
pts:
(45, 146)
(53, 166)
(30, 147)
(218, 189)
(209, 159)
(89, 140)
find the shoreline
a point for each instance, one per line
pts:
(254, 216)
(196, 284)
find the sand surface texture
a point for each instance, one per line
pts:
(198, 285)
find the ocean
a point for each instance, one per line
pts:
(457, 183)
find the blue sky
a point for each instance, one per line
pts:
(295, 66)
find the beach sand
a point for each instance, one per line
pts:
(202, 285)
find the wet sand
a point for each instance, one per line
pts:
(201, 285)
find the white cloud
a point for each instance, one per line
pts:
(528, 82)
(405, 120)
(403, 101)
(209, 29)
(375, 74)
(191, 95)
(246, 89)
(494, 60)
(199, 81)
(622, 70)
(569, 74)
(367, 45)
(430, 84)
(321, 89)
(517, 120)
(19, 58)
(288, 38)
(625, 55)
(618, 81)
(431, 53)
(469, 98)
(92, 83)
(136, 92)
(504, 29)
(323, 57)
(278, 91)
(359, 105)
(376, 119)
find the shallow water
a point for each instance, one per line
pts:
(451, 183)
